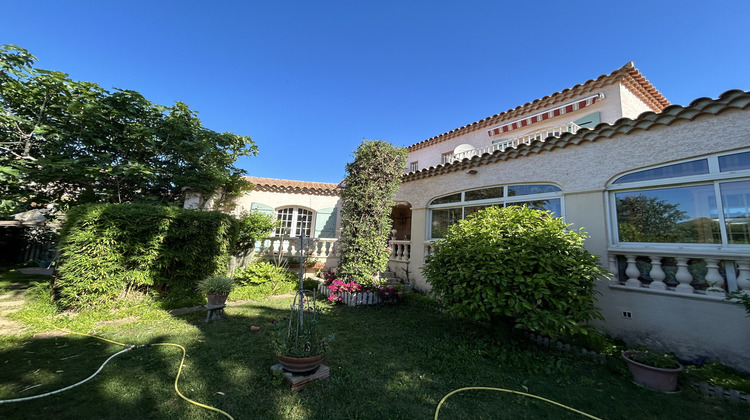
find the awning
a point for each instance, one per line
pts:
(551, 113)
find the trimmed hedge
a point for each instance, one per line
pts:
(108, 250)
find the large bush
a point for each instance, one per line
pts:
(108, 250)
(520, 265)
(371, 182)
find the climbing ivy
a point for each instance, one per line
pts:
(371, 182)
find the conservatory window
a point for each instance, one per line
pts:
(450, 209)
(693, 202)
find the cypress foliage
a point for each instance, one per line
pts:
(109, 250)
(367, 198)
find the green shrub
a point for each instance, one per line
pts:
(252, 227)
(110, 250)
(371, 182)
(520, 265)
(260, 272)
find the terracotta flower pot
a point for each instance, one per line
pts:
(301, 364)
(659, 379)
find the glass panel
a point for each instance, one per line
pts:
(284, 217)
(469, 211)
(515, 190)
(453, 198)
(304, 221)
(696, 167)
(735, 162)
(553, 205)
(735, 198)
(442, 219)
(483, 194)
(669, 215)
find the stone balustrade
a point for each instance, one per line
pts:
(681, 271)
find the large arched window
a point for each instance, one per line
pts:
(294, 221)
(700, 201)
(449, 209)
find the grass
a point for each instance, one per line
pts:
(387, 362)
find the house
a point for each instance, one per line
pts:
(662, 191)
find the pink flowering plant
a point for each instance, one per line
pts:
(337, 286)
(390, 293)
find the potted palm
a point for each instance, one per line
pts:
(216, 288)
(652, 370)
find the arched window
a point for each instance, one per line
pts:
(449, 209)
(294, 221)
(699, 201)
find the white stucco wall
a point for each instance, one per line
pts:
(690, 326)
(279, 200)
(614, 106)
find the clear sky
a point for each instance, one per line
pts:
(308, 80)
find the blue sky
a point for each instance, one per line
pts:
(309, 80)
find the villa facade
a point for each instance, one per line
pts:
(662, 191)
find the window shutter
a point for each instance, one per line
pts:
(262, 208)
(588, 121)
(325, 223)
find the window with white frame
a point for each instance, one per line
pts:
(449, 209)
(294, 221)
(702, 201)
(414, 166)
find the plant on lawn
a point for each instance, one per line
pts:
(216, 285)
(371, 183)
(517, 264)
(252, 227)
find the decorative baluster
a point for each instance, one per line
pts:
(683, 276)
(614, 269)
(657, 274)
(743, 279)
(400, 255)
(632, 272)
(714, 279)
(407, 252)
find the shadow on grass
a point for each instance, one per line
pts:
(387, 362)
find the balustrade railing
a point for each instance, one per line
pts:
(538, 135)
(400, 250)
(711, 274)
(314, 247)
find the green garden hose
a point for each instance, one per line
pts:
(511, 392)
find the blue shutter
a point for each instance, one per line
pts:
(262, 208)
(588, 121)
(325, 223)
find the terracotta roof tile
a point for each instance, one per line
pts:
(628, 75)
(732, 99)
(294, 187)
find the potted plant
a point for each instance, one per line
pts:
(299, 347)
(653, 370)
(216, 288)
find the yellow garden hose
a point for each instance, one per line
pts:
(511, 392)
(129, 347)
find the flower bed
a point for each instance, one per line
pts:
(354, 294)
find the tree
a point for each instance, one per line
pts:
(69, 142)
(371, 182)
(648, 219)
(519, 265)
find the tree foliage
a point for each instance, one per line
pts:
(516, 264)
(69, 142)
(649, 219)
(367, 198)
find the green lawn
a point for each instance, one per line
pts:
(387, 362)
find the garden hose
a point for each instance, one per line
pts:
(128, 348)
(511, 392)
